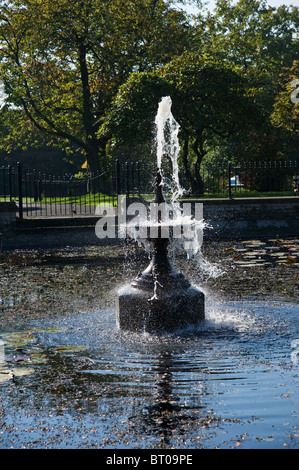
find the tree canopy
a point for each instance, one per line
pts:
(62, 64)
(209, 98)
(286, 107)
(251, 34)
(77, 74)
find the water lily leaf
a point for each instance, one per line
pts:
(243, 264)
(8, 374)
(287, 260)
(53, 330)
(38, 359)
(254, 243)
(71, 348)
(17, 339)
(21, 371)
(279, 254)
(5, 376)
(34, 350)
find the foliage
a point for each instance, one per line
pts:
(224, 89)
(263, 42)
(286, 107)
(209, 98)
(133, 112)
(88, 78)
(251, 34)
(62, 65)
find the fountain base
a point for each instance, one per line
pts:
(142, 309)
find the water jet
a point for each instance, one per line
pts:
(161, 298)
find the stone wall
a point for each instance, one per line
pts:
(227, 219)
(251, 218)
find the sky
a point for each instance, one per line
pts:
(277, 3)
(210, 4)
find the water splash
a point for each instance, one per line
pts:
(176, 221)
(167, 130)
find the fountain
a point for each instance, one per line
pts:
(161, 298)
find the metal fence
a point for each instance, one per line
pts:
(250, 179)
(41, 195)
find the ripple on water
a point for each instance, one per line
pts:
(234, 371)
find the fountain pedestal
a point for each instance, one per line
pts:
(167, 311)
(160, 298)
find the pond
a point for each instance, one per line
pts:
(69, 379)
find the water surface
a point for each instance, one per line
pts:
(232, 382)
(70, 379)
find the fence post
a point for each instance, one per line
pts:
(133, 178)
(128, 179)
(9, 183)
(20, 190)
(117, 171)
(4, 184)
(138, 178)
(229, 181)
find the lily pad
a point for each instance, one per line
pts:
(254, 243)
(8, 374)
(71, 348)
(5, 376)
(52, 330)
(280, 254)
(21, 371)
(38, 359)
(17, 339)
(247, 265)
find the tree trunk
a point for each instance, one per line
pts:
(198, 187)
(92, 143)
(93, 158)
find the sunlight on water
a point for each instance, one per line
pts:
(232, 374)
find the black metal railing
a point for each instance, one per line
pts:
(251, 179)
(41, 195)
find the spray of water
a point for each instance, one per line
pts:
(167, 130)
(185, 230)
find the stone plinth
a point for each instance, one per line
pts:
(137, 311)
(160, 299)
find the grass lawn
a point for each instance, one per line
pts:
(100, 198)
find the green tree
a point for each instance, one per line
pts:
(250, 34)
(263, 42)
(286, 107)
(62, 63)
(209, 98)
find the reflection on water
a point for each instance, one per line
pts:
(228, 383)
